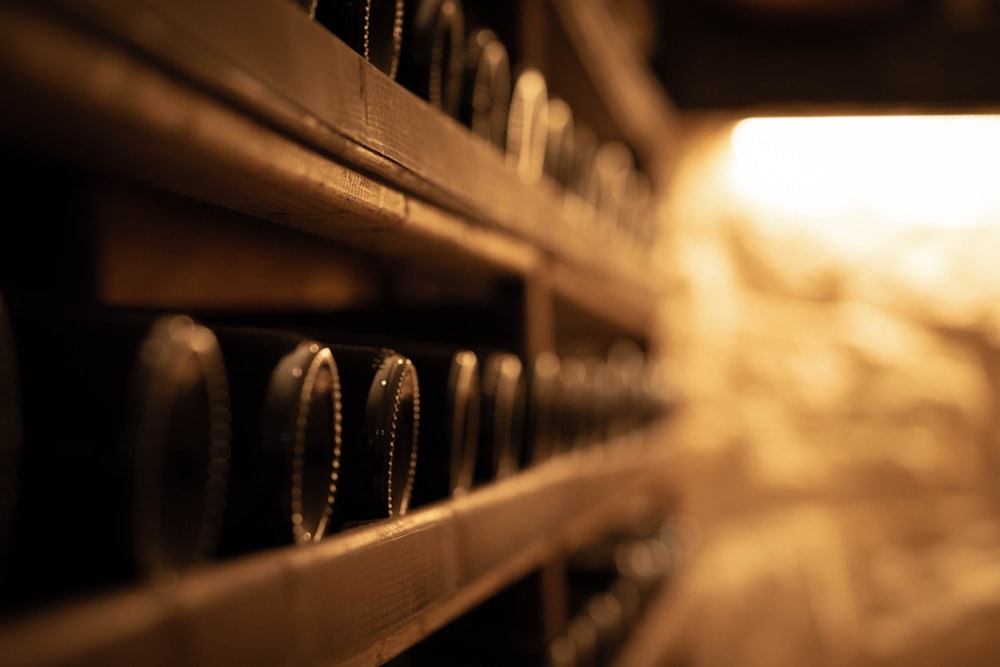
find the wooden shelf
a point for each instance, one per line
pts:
(187, 121)
(362, 596)
(246, 105)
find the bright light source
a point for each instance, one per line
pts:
(941, 171)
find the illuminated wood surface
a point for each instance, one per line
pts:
(364, 595)
(249, 106)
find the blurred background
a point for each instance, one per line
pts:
(833, 229)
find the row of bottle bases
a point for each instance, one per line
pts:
(465, 71)
(152, 441)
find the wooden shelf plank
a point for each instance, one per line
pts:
(631, 309)
(364, 595)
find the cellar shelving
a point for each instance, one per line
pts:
(362, 596)
(229, 112)
(369, 168)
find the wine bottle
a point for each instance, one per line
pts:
(582, 633)
(605, 613)
(286, 445)
(629, 597)
(502, 424)
(600, 395)
(584, 181)
(528, 125)
(129, 471)
(542, 437)
(559, 146)
(615, 167)
(450, 387)
(433, 61)
(647, 562)
(561, 653)
(10, 430)
(638, 216)
(487, 88)
(658, 395)
(573, 397)
(381, 419)
(373, 28)
(626, 365)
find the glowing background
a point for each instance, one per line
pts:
(939, 171)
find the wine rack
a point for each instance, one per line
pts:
(237, 157)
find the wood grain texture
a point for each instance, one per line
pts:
(219, 134)
(362, 596)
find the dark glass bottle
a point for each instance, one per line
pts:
(647, 562)
(629, 597)
(373, 28)
(433, 61)
(561, 653)
(125, 477)
(615, 167)
(573, 416)
(657, 396)
(584, 180)
(381, 420)
(450, 387)
(597, 400)
(487, 89)
(542, 438)
(626, 365)
(582, 633)
(605, 613)
(10, 429)
(381, 409)
(559, 149)
(286, 407)
(638, 224)
(502, 424)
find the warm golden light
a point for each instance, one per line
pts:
(836, 338)
(938, 171)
